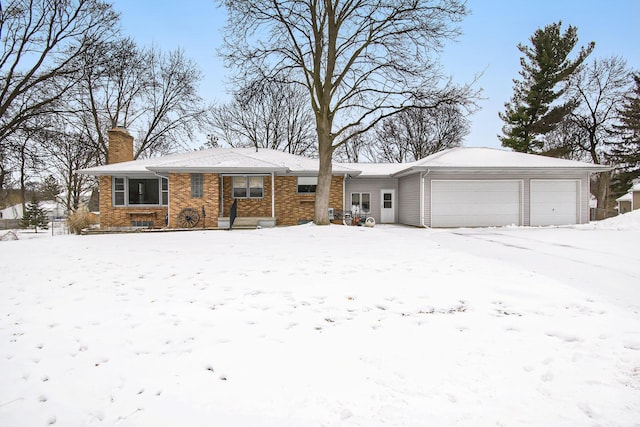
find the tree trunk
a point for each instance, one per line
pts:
(323, 189)
(601, 192)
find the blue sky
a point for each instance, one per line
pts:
(488, 43)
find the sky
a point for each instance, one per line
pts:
(486, 48)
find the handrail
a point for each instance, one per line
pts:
(233, 213)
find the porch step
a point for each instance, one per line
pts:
(247, 222)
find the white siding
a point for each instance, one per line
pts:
(409, 200)
(372, 186)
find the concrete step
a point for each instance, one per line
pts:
(247, 222)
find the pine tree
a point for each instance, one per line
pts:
(34, 216)
(626, 151)
(50, 188)
(545, 67)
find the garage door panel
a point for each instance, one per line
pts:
(477, 221)
(495, 209)
(554, 202)
(475, 203)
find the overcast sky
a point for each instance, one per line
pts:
(488, 44)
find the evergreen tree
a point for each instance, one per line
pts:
(545, 67)
(34, 216)
(50, 188)
(626, 151)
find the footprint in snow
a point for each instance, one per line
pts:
(547, 377)
(564, 337)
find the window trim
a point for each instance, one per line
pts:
(125, 192)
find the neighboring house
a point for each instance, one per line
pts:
(458, 187)
(54, 210)
(631, 200)
(625, 203)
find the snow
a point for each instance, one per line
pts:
(332, 326)
(626, 221)
(482, 157)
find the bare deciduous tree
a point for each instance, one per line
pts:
(599, 89)
(40, 42)
(359, 61)
(152, 94)
(267, 115)
(416, 133)
(67, 152)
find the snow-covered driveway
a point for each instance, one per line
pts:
(603, 261)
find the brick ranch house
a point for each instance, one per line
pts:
(458, 187)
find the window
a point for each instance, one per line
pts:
(144, 191)
(118, 191)
(360, 202)
(248, 187)
(165, 192)
(307, 184)
(196, 185)
(239, 186)
(140, 191)
(386, 200)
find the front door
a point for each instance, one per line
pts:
(387, 206)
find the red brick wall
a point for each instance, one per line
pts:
(248, 207)
(291, 207)
(180, 198)
(121, 216)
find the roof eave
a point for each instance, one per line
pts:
(114, 172)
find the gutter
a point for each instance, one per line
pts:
(344, 191)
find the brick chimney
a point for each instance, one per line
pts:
(120, 146)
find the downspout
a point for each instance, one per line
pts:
(422, 175)
(273, 195)
(344, 192)
(221, 195)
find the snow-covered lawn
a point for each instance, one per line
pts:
(331, 326)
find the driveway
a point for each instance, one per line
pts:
(605, 262)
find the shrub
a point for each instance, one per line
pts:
(79, 219)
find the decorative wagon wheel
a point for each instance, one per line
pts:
(188, 218)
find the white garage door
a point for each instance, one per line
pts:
(475, 203)
(554, 202)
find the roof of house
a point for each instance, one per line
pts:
(220, 160)
(635, 187)
(375, 169)
(250, 160)
(492, 158)
(625, 198)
